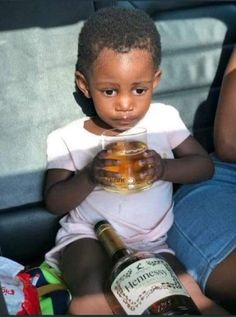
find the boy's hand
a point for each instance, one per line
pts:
(99, 172)
(102, 169)
(154, 166)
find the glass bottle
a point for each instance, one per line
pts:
(140, 282)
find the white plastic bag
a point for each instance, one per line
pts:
(20, 295)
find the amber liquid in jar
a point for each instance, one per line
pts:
(128, 153)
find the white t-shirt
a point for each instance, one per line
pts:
(142, 218)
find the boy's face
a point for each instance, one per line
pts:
(121, 86)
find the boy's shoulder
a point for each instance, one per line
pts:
(161, 108)
(68, 128)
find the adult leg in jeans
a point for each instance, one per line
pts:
(204, 236)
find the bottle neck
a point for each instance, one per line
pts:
(111, 241)
(119, 254)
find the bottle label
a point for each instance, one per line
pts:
(143, 283)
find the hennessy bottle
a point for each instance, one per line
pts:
(141, 283)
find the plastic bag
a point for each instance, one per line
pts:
(20, 295)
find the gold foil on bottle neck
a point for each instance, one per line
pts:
(110, 239)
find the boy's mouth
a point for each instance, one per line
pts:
(125, 119)
(126, 122)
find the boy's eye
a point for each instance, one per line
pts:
(140, 91)
(109, 92)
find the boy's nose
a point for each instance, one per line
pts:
(124, 104)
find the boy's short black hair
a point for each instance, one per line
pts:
(119, 29)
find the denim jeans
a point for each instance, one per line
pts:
(204, 229)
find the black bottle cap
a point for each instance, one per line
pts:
(100, 223)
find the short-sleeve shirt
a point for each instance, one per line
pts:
(141, 218)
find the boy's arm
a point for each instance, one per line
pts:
(65, 190)
(191, 164)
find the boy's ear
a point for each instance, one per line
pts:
(82, 83)
(157, 78)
